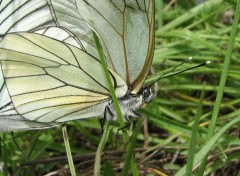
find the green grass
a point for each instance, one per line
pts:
(185, 122)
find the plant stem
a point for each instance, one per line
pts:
(97, 164)
(68, 150)
(110, 85)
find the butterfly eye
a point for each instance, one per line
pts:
(147, 95)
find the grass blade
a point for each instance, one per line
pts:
(193, 141)
(222, 83)
(68, 150)
(207, 147)
(97, 165)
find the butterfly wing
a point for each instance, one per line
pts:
(24, 15)
(126, 29)
(44, 17)
(11, 120)
(66, 15)
(46, 82)
(20, 15)
(46, 86)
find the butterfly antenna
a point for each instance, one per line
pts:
(167, 74)
(174, 68)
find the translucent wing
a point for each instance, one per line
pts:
(66, 36)
(126, 28)
(20, 15)
(24, 15)
(66, 15)
(47, 87)
(42, 16)
(30, 15)
(46, 82)
(11, 120)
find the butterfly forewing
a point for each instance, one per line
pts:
(126, 29)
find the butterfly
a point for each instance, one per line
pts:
(50, 68)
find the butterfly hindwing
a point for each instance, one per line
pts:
(47, 86)
(24, 15)
(32, 15)
(11, 120)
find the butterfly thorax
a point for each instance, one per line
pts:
(129, 103)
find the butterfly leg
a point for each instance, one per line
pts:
(102, 121)
(122, 128)
(107, 112)
(133, 114)
(136, 114)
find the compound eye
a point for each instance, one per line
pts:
(147, 95)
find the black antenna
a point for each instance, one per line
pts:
(166, 75)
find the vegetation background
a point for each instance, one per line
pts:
(193, 114)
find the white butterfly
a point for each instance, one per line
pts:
(52, 74)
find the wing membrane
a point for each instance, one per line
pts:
(24, 15)
(11, 120)
(32, 15)
(127, 31)
(48, 86)
(54, 75)
(66, 15)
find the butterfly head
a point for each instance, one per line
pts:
(147, 94)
